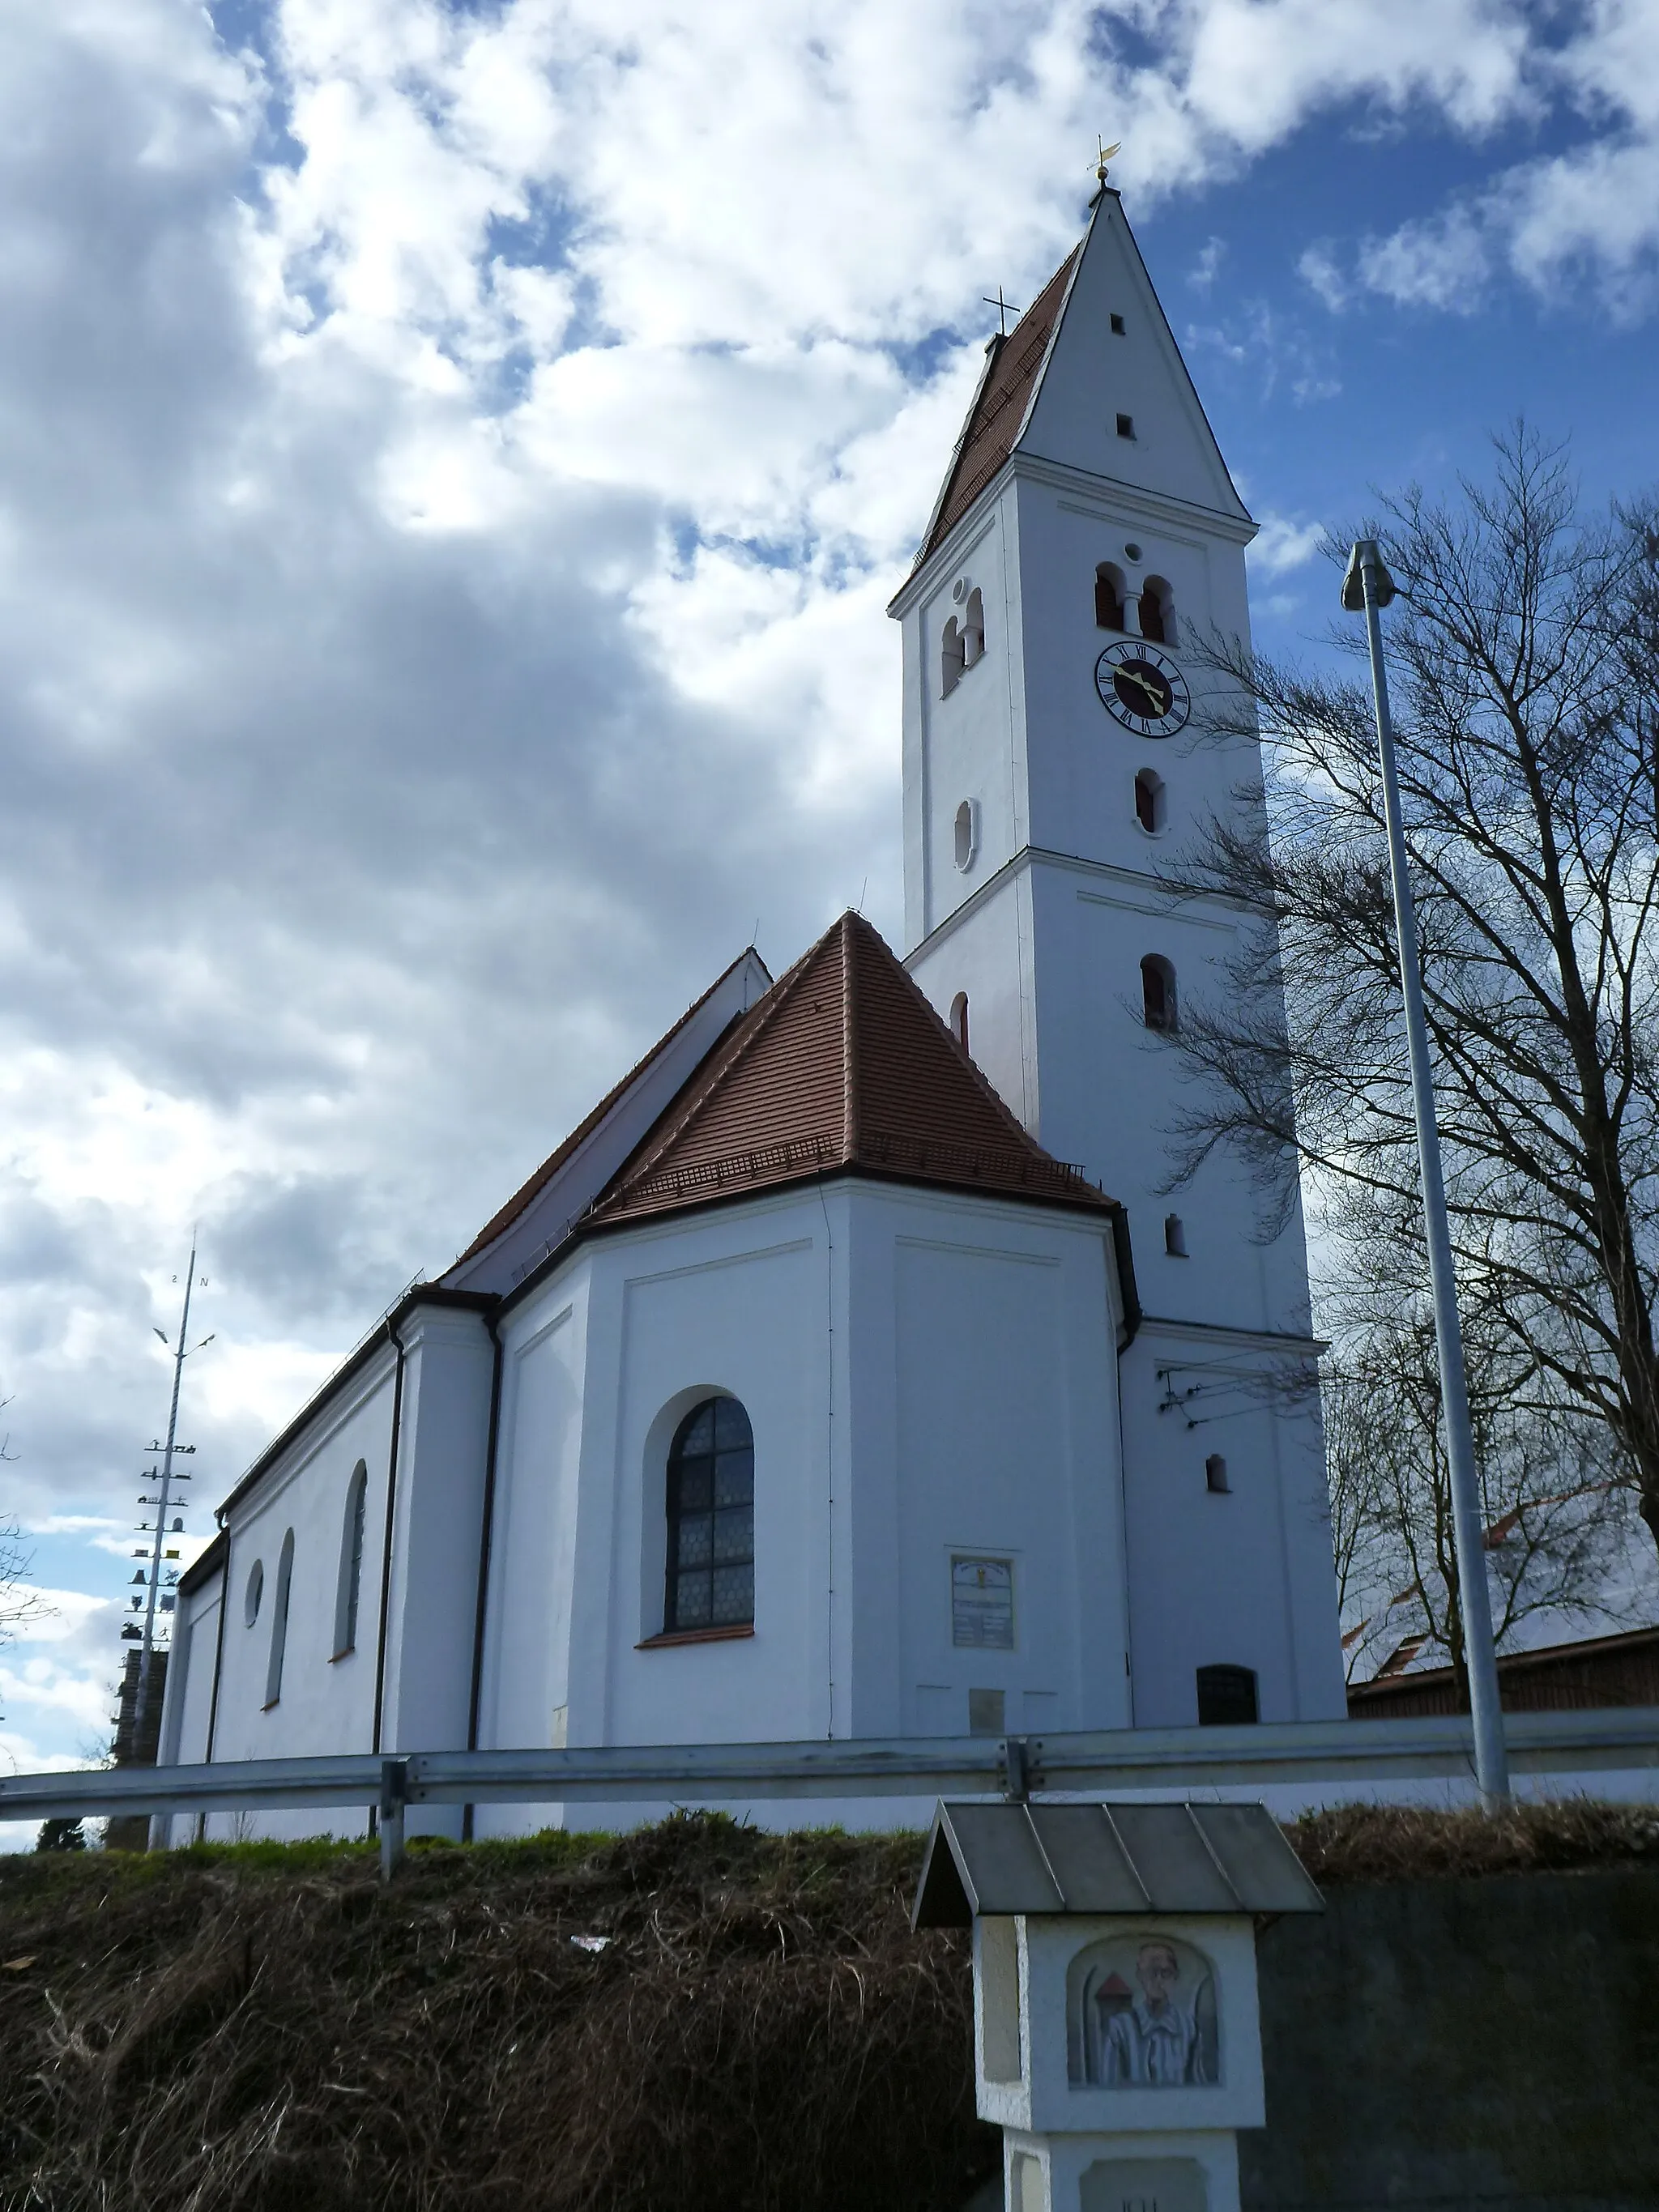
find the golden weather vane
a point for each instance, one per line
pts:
(1105, 155)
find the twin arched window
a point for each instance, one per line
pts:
(1156, 606)
(711, 1520)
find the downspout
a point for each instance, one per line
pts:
(390, 1507)
(1124, 1257)
(218, 1661)
(486, 1537)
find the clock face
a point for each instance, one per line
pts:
(1142, 688)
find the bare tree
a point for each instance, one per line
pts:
(1555, 1508)
(1525, 665)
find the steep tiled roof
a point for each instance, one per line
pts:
(843, 1064)
(999, 408)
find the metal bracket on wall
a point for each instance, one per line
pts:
(1020, 1767)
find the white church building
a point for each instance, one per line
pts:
(850, 1370)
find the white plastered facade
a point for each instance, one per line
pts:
(927, 1373)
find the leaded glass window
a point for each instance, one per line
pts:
(711, 1519)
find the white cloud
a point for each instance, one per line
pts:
(1280, 545)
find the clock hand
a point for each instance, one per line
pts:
(1141, 684)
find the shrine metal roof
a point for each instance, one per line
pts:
(1106, 1858)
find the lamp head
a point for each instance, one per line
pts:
(1366, 556)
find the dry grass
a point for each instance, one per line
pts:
(1404, 1843)
(263, 2027)
(760, 2031)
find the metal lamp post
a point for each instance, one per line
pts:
(1368, 586)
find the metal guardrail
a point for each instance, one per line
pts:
(1608, 1739)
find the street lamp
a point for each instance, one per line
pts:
(1367, 585)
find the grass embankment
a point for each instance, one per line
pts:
(263, 2027)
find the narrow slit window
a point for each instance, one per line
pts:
(711, 1520)
(1174, 1236)
(959, 1018)
(1118, 326)
(964, 840)
(1226, 1697)
(1215, 1475)
(1157, 993)
(1126, 426)
(349, 1594)
(279, 1621)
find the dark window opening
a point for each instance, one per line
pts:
(1149, 801)
(973, 629)
(959, 1018)
(1174, 1236)
(1108, 597)
(1158, 622)
(1117, 326)
(1215, 1475)
(1157, 993)
(1226, 1697)
(711, 1519)
(952, 659)
(1126, 426)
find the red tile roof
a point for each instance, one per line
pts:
(999, 408)
(843, 1065)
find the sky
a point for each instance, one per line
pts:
(453, 463)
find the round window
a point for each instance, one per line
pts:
(256, 1590)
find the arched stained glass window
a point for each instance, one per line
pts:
(711, 1519)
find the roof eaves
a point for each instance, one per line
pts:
(384, 1332)
(502, 1221)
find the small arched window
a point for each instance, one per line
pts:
(254, 1592)
(964, 839)
(1149, 801)
(1157, 619)
(1157, 993)
(952, 659)
(959, 1018)
(351, 1562)
(1226, 1697)
(711, 1519)
(279, 1621)
(1215, 1474)
(1174, 1236)
(1108, 597)
(973, 628)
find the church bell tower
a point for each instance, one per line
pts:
(1086, 533)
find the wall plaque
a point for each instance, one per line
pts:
(983, 1603)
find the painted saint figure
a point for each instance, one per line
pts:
(1155, 2041)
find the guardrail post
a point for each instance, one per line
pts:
(1016, 1776)
(394, 1796)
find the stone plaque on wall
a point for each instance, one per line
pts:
(981, 1603)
